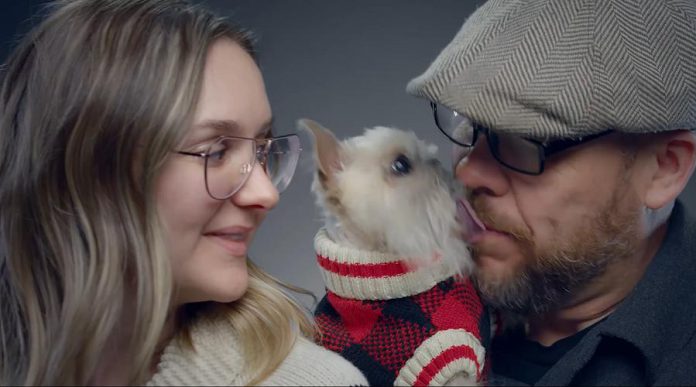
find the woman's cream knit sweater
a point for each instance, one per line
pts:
(217, 361)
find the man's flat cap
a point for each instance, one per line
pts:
(550, 69)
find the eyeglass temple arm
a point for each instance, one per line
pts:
(201, 154)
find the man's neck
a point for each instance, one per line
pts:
(598, 299)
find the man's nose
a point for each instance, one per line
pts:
(480, 171)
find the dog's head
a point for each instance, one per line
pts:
(386, 191)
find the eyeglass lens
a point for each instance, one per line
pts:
(512, 151)
(515, 152)
(281, 160)
(230, 162)
(455, 126)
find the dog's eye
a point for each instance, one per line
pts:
(401, 165)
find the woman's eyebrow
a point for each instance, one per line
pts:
(231, 128)
(227, 127)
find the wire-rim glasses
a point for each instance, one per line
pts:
(229, 161)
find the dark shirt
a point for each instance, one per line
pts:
(650, 339)
(518, 358)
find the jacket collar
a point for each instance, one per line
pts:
(658, 316)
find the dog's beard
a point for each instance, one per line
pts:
(424, 225)
(549, 277)
(424, 232)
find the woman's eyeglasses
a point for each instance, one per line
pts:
(514, 152)
(230, 160)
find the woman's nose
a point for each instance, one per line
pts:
(258, 191)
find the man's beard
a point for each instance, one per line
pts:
(550, 278)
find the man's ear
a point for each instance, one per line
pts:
(674, 156)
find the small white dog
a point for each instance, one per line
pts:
(399, 304)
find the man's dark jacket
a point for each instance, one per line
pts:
(651, 337)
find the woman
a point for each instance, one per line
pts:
(137, 162)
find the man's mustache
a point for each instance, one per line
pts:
(497, 222)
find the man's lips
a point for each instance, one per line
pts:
(472, 226)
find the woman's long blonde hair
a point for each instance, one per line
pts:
(92, 101)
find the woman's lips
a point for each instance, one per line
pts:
(235, 246)
(233, 239)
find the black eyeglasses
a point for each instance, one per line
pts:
(230, 160)
(514, 152)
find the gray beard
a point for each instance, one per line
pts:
(552, 278)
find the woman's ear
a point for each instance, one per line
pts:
(674, 156)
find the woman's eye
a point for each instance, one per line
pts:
(219, 155)
(217, 152)
(401, 165)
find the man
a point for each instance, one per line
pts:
(574, 124)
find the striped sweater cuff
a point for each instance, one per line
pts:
(446, 355)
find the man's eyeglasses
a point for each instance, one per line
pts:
(230, 160)
(514, 152)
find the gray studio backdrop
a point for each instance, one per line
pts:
(344, 63)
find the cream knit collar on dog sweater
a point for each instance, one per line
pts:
(369, 275)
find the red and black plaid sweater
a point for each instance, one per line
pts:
(399, 325)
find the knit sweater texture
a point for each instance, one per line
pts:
(217, 361)
(400, 325)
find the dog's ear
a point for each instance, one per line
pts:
(327, 149)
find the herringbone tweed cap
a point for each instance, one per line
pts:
(568, 68)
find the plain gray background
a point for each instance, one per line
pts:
(344, 63)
